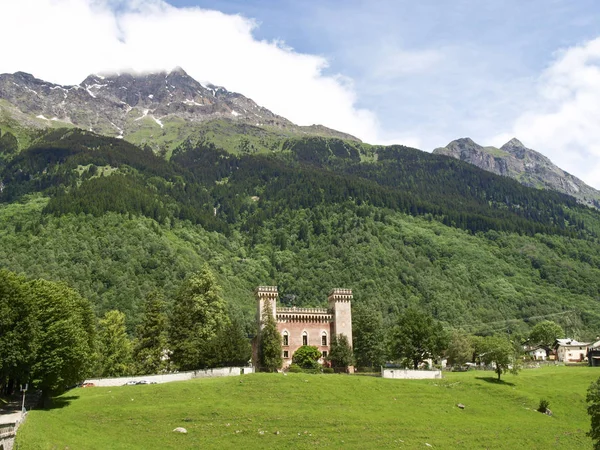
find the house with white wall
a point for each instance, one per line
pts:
(570, 350)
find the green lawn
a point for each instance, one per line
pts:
(334, 411)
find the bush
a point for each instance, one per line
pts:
(328, 370)
(543, 406)
(307, 357)
(294, 368)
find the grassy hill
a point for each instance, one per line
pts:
(324, 411)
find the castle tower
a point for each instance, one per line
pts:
(340, 302)
(264, 295)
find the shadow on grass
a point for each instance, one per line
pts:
(494, 381)
(58, 402)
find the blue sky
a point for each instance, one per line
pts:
(470, 60)
(417, 73)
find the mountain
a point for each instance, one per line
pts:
(474, 249)
(158, 109)
(527, 166)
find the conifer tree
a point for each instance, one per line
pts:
(151, 341)
(269, 342)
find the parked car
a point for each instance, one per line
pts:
(131, 383)
(143, 382)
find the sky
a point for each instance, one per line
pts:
(387, 71)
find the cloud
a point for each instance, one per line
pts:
(562, 120)
(63, 41)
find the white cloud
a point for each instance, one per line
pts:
(65, 40)
(563, 120)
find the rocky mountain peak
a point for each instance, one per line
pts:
(148, 104)
(527, 166)
(514, 142)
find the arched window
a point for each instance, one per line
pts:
(324, 338)
(286, 338)
(304, 338)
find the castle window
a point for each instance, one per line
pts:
(286, 354)
(305, 338)
(325, 354)
(324, 338)
(286, 339)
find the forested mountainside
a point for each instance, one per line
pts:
(474, 249)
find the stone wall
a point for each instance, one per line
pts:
(404, 374)
(166, 378)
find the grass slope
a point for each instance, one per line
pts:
(333, 411)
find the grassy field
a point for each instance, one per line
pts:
(333, 411)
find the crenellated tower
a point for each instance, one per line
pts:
(266, 295)
(340, 306)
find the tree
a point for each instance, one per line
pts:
(307, 357)
(593, 409)
(368, 337)
(460, 350)
(151, 341)
(545, 333)
(233, 344)
(340, 352)
(499, 352)
(269, 349)
(18, 330)
(417, 336)
(198, 311)
(65, 340)
(114, 346)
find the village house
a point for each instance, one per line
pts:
(538, 353)
(569, 350)
(306, 326)
(593, 354)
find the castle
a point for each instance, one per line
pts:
(307, 326)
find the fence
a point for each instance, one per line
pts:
(168, 377)
(411, 374)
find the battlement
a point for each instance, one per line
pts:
(340, 294)
(266, 291)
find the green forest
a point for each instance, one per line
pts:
(400, 227)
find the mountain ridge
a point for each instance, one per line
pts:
(529, 167)
(139, 107)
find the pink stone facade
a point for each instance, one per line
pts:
(308, 326)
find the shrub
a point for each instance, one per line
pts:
(328, 370)
(294, 368)
(543, 406)
(307, 357)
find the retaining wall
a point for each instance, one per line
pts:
(179, 376)
(411, 374)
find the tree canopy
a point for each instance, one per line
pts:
(417, 336)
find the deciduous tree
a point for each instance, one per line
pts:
(460, 350)
(307, 357)
(593, 409)
(198, 311)
(545, 333)
(65, 340)
(340, 352)
(114, 346)
(500, 352)
(18, 330)
(417, 336)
